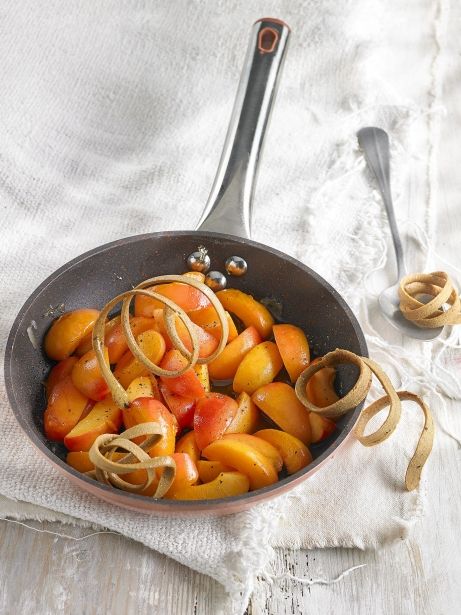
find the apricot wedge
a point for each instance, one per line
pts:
(244, 458)
(201, 370)
(225, 485)
(321, 427)
(140, 387)
(188, 384)
(226, 364)
(213, 414)
(187, 444)
(128, 368)
(207, 318)
(183, 408)
(187, 297)
(59, 372)
(258, 367)
(247, 416)
(320, 388)
(209, 470)
(251, 312)
(293, 347)
(66, 406)
(294, 453)
(146, 410)
(87, 342)
(104, 417)
(262, 446)
(185, 476)
(278, 400)
(66, 333)
(87, 376)
(115, 339)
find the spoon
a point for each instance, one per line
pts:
(375, 145)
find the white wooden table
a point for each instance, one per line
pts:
(41, 573)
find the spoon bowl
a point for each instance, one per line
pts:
(375, 145)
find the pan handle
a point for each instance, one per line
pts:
(228, 209)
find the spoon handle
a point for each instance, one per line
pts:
(375, 145)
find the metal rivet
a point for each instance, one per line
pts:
(236, 265)
(216, 280)
(199, 260)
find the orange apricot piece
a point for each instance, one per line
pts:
(226, 484)
(320, 388)
(147, 410)
(293, 347)
(251, 312)
(88, 378)
(66, 333)
(213, 414)
(183, 408)
(321, 427)
(209, 470)
(66, 406)
(186, 297)
(278, 400)
(258, 367)
(188, 384)
(59, 372)
(247, 416)
(186, 474)
(104, 417)
(207, 318)
(294, 453)
(87, 342)
(226, 364)
(140, 387)
(129, 367)
(244, 458)
(187, 444)
(262, 446)
(115, 339)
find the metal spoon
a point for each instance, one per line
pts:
(375, 145)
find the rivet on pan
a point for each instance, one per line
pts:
(216, 280)
(199, 260)
(236, 265)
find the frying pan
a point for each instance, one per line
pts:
(93, 278)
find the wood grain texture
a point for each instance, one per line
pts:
(46, 575)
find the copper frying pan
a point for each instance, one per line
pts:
(91, 279)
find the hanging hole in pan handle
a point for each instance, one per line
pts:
(267, 40)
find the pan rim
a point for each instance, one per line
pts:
(221, 505)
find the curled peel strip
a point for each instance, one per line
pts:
(429, 315)
(108, 471)
(358, 394)
(171, 311)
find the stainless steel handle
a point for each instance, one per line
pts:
(228, 209)
(375, 145)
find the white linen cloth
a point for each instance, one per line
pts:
(113, 115)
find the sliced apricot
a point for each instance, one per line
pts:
(226, 364)
(207, 342)
(66, 333)
(294, 453)
(320, 388)
(186, 474)
(129, 367)
(115, 338)
(187, 444)
(247, 416)
(293, 347)
(263, 447)
(207, 318)
(188, 384)
(59, 372)
(201, 369)
(226, 484)
(147, 410)
(244, 458)
(258, 367)
(104, 417)
(209, 470)
(87, 342)
(251, 312)
(213, 414)
(321, 427)
(140, 387)
(278, 400)
(66, 406)
(187, 297)
(88, 378)
(80, 461)
(183, 408)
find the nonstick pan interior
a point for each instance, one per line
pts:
(95, 277)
